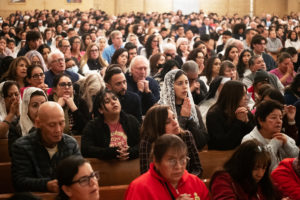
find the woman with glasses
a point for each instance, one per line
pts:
(77, 179)
(75, 43)
(151, 46)
(9, 106)
(36, 58)
(36, 78)
(17, 71)
(234, 120)
(167, 177)
(75, 109)
(113, 134)
(245, 175)
(176, 93)
(92, 60)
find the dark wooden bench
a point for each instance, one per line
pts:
(116, 192)
(4, 155)
(5, 178)
(213, 160)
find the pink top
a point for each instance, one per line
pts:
(279, 74)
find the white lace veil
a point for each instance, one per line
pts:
(25, 122)
(3, 112)
(167, 95)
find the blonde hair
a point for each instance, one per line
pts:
(87, 54)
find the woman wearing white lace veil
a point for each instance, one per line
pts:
(9, 105)
(176, 93)
(32, 99)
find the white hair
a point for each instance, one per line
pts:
(180, 41)
(169, 46)
(55, 52)
(139, 58)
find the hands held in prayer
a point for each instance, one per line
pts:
(290, 112)
(52, 186)
(123, 153)
(241, 114)
(195, 86)
(281, 137)
(67, 100)
(143, 86)
(186, 108)
(184, 197)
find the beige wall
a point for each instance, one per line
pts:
(222, 7)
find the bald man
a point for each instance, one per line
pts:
(35, 156)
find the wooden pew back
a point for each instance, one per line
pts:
(4, 155)
(5, 180)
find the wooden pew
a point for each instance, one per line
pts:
(213, 160)
(78, 139)
(115, 172)
(5, 180)
(4, 155)
(116, 192)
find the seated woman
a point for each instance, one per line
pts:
(292, 92)
(36, 58)
(245, 175)
(75, 109)
(113, 134)
(285, 70)
(160, 120)
(243, 67)
(32, 99)
(92, 60)
(176, 93)
(17, 71)
(231, 54)
(229, 119)
(167, 177)
(166, 67)
(286, 178)
(120, 57)
(156, 63)
(211, 70)
(9, 106)
(212, 95)
(36, 78)
(228, 69)
(77, 179)
(268, 118)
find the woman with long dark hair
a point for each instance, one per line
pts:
(243, 63)
(233, 117)
(245, 175)
(151, 46)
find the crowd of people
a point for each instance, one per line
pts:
(156, 86)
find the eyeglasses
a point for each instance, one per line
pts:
(64, 84)
(66, 46)
(35, 62)
(200, 57)
(37, 76)
(94, 50)
(85, 181)
(173, 162)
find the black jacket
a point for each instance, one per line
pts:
(96, 138)
(32, 167)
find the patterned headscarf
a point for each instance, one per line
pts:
(167, 95)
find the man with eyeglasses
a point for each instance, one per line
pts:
(169, 51)
(35, 156)
(57, 65)
(65, 47)
(258, 45)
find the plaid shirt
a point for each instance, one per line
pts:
(193, 166)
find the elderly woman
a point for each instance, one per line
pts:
(113, 134)
(167, 177)
(77, 179)
(268, 118)
(176, 93)
(75, 109)
(32, 99)
(160, 120)
(36, 58)
(92, 60)
(9, 104)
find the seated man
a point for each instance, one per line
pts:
(57, 65)
(268, 132)
(35, 156)
(116, 81)
(139, 82)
